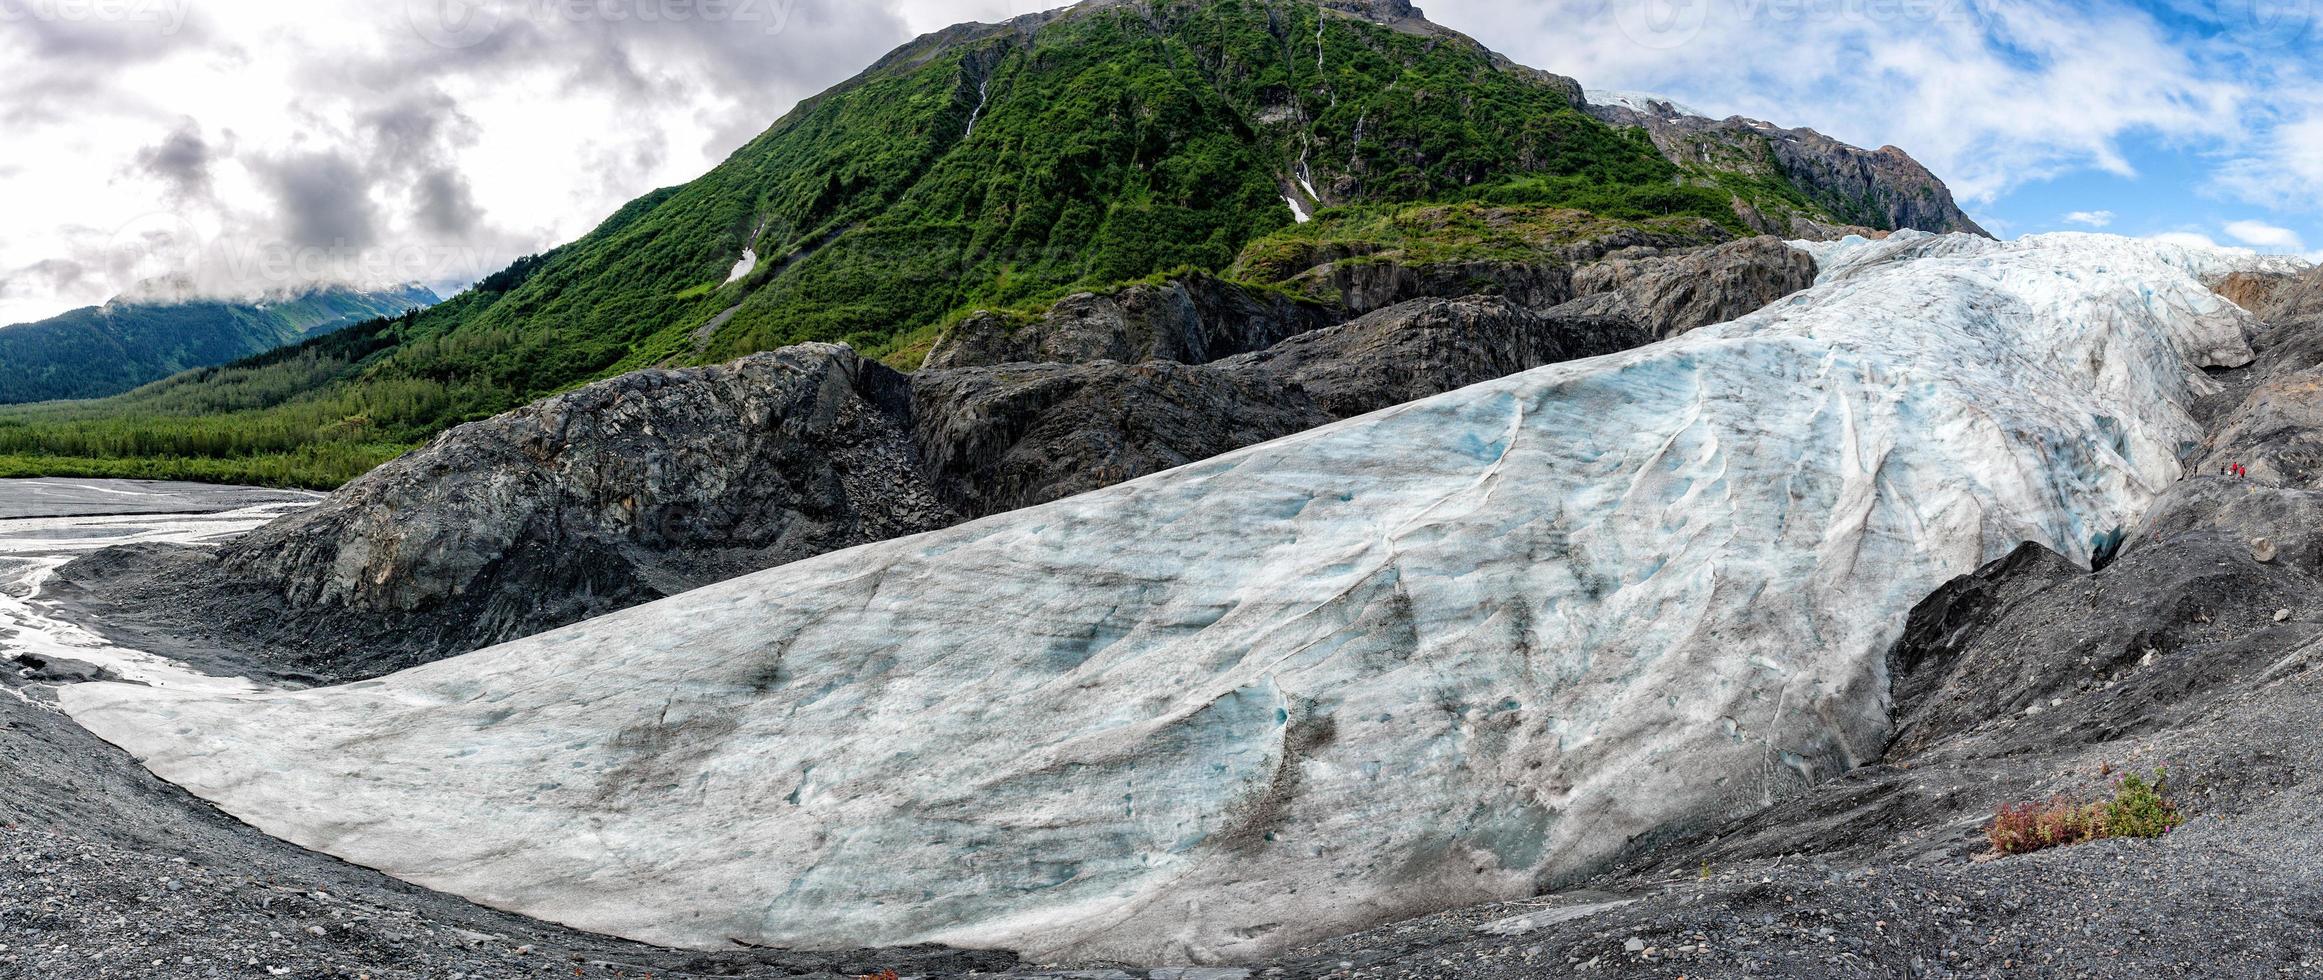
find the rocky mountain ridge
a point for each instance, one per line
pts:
(1854, 188)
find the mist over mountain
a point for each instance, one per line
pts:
(141, 338)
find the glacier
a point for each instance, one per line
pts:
(1458, 651)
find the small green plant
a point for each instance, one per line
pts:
(2138, 809)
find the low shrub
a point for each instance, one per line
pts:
(2138, 809)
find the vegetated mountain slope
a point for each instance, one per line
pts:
(109, 349)
(984, 166)
(659, 482)
(1450, 652)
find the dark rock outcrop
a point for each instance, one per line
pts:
(1367, 283)
(1193, 319)
(2035, 636)
(1431, 346)
(1689, 290)
(997, 439)
(1883, 188)
(1361, 282)
(616, 494)
(1197, 319)
(1675, 280)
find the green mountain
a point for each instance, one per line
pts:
(105, 350)
(984, 166)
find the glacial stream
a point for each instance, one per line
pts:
(47, 523)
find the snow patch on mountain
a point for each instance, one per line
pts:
(1645, 102)
(745, 266)
(1448, 653)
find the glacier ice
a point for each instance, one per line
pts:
(1456, 651)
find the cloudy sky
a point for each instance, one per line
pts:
(247, 144)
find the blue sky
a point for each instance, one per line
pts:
(2166, 117)
(2169, 190)
(373, 141)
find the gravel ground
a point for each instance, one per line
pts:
(2237, 892)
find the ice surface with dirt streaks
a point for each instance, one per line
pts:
(1453, 652)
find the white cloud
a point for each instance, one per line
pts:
(2284, 168)
(2259, 234)
(2090, 219)
(276, 141)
